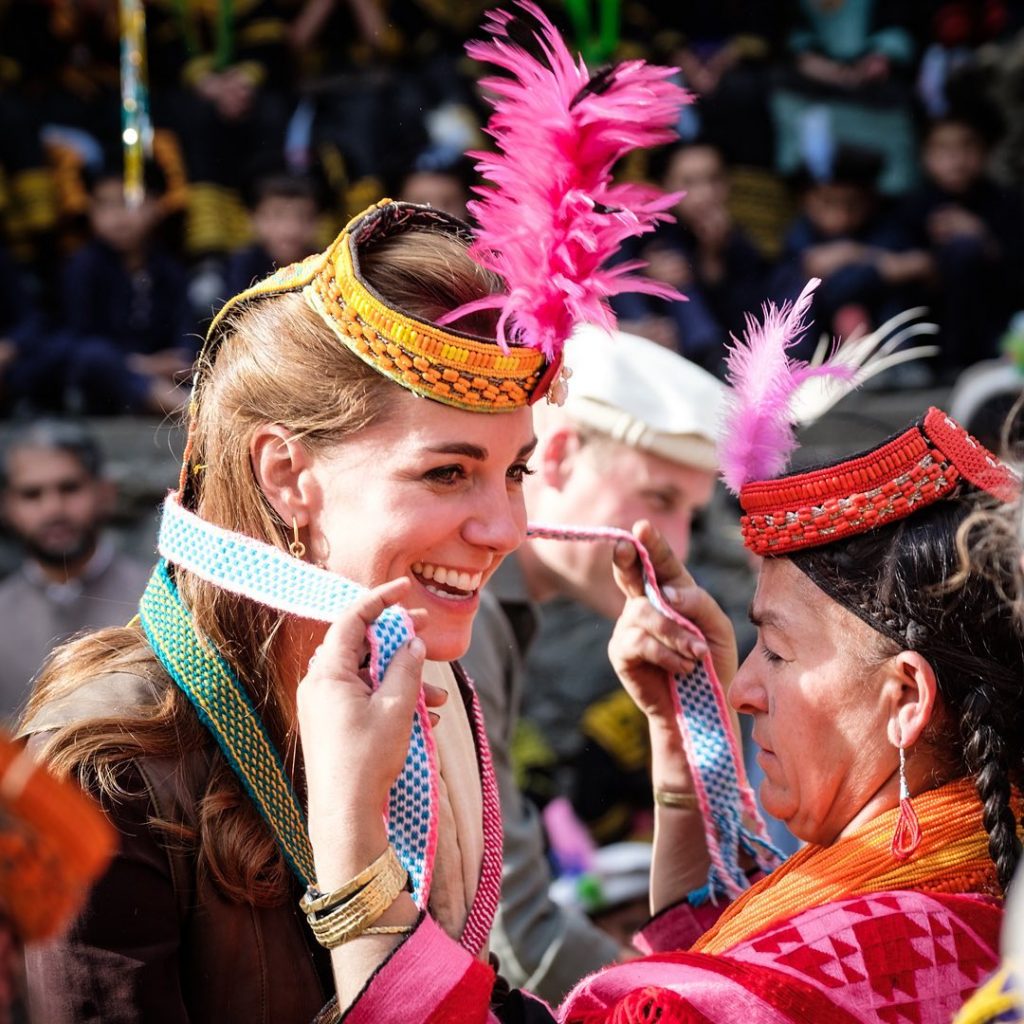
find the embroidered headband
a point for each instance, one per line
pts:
(449, 366)
(784, 513)
(909, 471)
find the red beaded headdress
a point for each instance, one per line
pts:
(926, 462)
(783, 514)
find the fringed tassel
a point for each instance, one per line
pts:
(906, 837)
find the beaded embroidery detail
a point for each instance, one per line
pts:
(923, 464)
(457, 369)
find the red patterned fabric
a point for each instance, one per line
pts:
(889, 958)
(923, 464)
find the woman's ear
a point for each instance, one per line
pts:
(914, 693)
(556, 454)
(281, 466)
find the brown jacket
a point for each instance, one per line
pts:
(154, 944)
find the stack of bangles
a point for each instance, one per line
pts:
(346, 913)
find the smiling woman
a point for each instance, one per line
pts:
(303, 440)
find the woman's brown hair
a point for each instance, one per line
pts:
(278, 363)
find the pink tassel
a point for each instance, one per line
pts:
(906, 837)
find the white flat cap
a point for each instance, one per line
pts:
(643, 395)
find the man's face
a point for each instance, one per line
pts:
(601, 482)
(53, 505)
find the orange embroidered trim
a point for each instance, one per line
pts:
(952, 858)
(458, 370)
(920, 466)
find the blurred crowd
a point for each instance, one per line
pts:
(877, 146)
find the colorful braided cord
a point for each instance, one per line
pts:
(714, 758)
(263, 573)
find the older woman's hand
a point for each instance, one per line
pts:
(648, 647)
(354, 738)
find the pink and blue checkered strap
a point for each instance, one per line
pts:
(274, 578)
(732, 821)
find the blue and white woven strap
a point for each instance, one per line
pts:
(274, 578)
(709, 741)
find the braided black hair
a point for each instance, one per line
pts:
(907, 581)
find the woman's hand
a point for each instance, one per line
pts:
(355, 739)
(648, 647)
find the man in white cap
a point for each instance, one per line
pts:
(635, 440)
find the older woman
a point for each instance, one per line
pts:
(888, 707)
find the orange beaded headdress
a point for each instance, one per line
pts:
(783, 514)
(446, 365)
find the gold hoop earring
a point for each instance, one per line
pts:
(296, 548)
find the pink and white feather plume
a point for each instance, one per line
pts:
(551, 217)
(758, 436)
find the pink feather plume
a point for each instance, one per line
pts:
(551, 217)
(758, 436)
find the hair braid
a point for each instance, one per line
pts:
(986, 756)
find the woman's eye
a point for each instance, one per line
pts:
(445, 474)
(519, 472)
(769, 655)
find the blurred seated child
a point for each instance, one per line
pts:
(845, 236)
(703, 254)
(127, 328)
(972, 227)
(285, 213)
(444, 186)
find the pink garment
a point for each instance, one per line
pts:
(887, 958)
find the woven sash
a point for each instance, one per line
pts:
(225, 709)
(707, 737)
(266, 574)
(274, 578)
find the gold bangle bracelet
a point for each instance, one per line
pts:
(315, 901)
(388, 929)
(679, 801)
(352, 916)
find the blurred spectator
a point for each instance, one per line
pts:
(724, 52)
(847, 236)
(633, 441)
(285, 220)
(55, 500)
(704, 254)
(28, 368)
(849, 84)
(444, 186)
(128, 328)
(973, 229)
(221, 78)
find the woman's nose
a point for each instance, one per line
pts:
(746, 694)
(499, 523)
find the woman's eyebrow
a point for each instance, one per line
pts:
(765, 617)
(471, 451)
(475, 451)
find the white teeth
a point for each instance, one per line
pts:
(444, 594)
(466, 581)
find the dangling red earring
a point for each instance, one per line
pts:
(907, 836)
